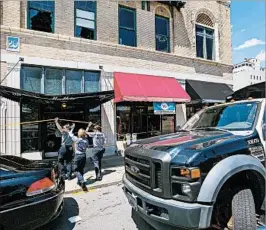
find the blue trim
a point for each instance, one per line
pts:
(94, 10)
(41, 8)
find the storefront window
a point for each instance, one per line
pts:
(168, 124)
(140, 119)
(95, 115)
(53, 81)
(123, 120)
(91, 82)
(73, 81)
(154, 122)
(57, 81)
(31, 78)
(29, 133)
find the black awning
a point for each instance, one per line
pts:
(207, 92)
(91, 98)
(254, 91)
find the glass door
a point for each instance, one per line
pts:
(168, 124)
(139, 121)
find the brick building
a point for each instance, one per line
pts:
(77, 47)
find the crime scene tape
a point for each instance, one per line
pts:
(51, 120)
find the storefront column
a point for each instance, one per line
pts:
(3, 107)
(12, 137)
(180, 114)
(108, 114)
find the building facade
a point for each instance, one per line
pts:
(78, 46)
(248, 72)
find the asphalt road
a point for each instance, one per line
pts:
(101, 209)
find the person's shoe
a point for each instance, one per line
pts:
(84, 187)
(98, 178)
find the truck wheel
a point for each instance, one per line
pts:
(243, 210)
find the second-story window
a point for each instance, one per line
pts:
(162, 34)
(41, 16)
(205, 37)
(127, 26)
(85, 20)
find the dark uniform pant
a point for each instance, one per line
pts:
(79, 163)
(97, 160)
(65, 156)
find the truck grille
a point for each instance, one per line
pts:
(141, 172)
(138, 170)
(158, 176)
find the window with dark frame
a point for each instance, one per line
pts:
(57, 81)
(29, 132)
(41, 16)
(205, 42)
(162, 34)
(146, 5)
(85, 19)
(127, 26)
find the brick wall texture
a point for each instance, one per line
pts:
(63, 45)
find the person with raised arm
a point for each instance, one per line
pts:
(65, 153)
(99, 141)
(79, 162)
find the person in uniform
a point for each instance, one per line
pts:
(98, 149)
(79, 162)
(65, 153)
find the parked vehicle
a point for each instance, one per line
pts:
(210, 173)
(31, 193)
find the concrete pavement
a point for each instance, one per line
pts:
(101, 209)
(112, 168)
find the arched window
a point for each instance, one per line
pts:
(205, 37)
(162, 29)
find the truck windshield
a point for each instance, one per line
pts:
(232, 117)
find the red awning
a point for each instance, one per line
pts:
(138, 87)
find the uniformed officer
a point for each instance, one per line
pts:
(81, 145)
(65, 153)
(98, 149)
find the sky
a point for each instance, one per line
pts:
(248, 30)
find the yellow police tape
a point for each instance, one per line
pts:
(50, 120)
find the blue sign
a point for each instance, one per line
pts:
(164, 107)
(13, 44)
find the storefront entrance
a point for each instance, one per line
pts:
(139, 118)
(51, 136)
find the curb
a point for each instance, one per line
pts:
(94, 187)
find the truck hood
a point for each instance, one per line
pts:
(186, 146)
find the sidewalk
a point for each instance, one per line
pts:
(112, 168)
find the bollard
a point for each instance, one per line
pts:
(134, 137)
(128, 138)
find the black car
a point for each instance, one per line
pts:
(31, 193)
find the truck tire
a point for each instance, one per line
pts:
(243, 211)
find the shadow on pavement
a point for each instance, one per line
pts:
(90, 180)
(107, 162)
(70, 209)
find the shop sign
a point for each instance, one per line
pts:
(164, 108)
(13, 44)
